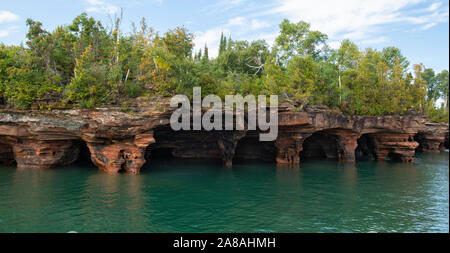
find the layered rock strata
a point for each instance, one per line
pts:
(433, 138)
(125, 141)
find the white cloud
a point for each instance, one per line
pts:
(101, 7)
(367, 22)
(7, 16)
(257, 24)
(359, 19)
(95, 2)
(434, 6)
(428, 26)
(211, 38)
(7, 32)
(236, 21)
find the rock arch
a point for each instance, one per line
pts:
(249, 148)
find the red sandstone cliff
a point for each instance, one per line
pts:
(120, 141)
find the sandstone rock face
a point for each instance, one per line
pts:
(336, 136)
(289, 148)
(117, 140)
(127, 156)
(346, 143)
(38, 154)
(124, 142)
(398, 147)
(432, 138)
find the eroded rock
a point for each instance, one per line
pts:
(127, 156)
(120, 141)
(44, 154)
(432, 138)
(396, 146)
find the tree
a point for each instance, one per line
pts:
(243, 57)
(223, 44)
(296, 39)
(86, 65)
(275, 80)
(302, 76)
(179, 42)
(392, 55)
(346, 58)
(205, 57)
(87, 89)
(433, 90)
(443, 83)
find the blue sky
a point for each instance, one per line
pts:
(420, 28)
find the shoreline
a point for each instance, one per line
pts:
(122, 142)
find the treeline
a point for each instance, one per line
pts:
(85, 64)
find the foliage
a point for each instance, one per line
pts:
(86, 65)
(87, 88)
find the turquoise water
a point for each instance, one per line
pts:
(320, 196)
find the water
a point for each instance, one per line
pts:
(321, 196)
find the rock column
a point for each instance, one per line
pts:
(227, 141)
(346, 144)
(121, 155)
(289, 148)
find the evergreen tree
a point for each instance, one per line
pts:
(221, 45)
(205, 58)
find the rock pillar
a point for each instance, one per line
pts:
(116, 156)
(346, 143)
(227, 141)
(289, 148)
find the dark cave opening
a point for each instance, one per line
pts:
(420, 138)
(84, 157)
(160, 153)
(366, 148)
(251, 149)
(6, 154)
(320, 145)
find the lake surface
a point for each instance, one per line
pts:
(174, 196)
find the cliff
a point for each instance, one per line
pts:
(119, 141)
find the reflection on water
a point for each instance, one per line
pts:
(318, 196)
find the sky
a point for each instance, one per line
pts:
(420, 28)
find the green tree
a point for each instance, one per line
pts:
(346, 57)
(179, 42)
(392, 56)
(87, 88)
(443, 83)
(297, 39)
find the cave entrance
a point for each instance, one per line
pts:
(84, 157)
(161, 153)
(183, 147)
(320, 145)
(446, 141)
(6, 154)
(250, 149)
(420, 138)
(366, 148)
